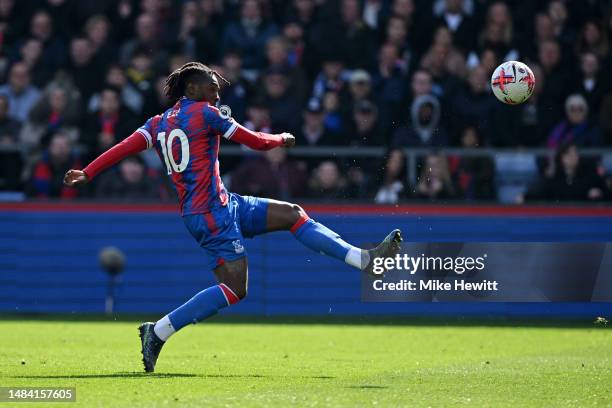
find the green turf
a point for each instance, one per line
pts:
(321, 365)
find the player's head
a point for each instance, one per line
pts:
(195, 81)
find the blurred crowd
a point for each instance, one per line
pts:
(77, 76)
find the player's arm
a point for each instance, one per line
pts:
(133, 144)
(259, 140)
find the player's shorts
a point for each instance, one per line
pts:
(221, 232)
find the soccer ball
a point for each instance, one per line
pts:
(512, 82)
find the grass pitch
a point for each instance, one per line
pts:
(269, 363)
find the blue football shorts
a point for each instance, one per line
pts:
(221, 232)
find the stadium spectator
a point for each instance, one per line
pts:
(360, 87)
(606, 119)
(389, 82)
(271, 175)
(573, 179)
(474, 105)
(58, 108)
(9, 127)
(474, 176)
(110, 124)
(461, 25)
(208, 31)
(141, 75)
(593, 38)
(11, 159)
(326, 182)
(284, 109)
(97, 30)
(393, 187)
(332, 78)
(435, 182)
(131, 98)
(129, 182)
(590, 83)
(249, 35)
(342, 52)
(54, 52)
(313, 131)
(424, 129)
(237, 93)
(31, 55)
(47, 179)
(84, 70)
(20, 93)
(576, 128)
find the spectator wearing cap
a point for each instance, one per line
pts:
(249, 35)
(313, 131)
(20, 93)
(129, 181)
(359, 89)
(284, 109)
(47, 180)
(360, 86)
(365, 129)
(576, 128)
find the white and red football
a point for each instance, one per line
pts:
(512, 82)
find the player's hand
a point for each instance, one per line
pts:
(289, 140)
(75, 178)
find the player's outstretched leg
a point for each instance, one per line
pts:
(319, 238)
(233, 280)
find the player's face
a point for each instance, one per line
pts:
(211, 91)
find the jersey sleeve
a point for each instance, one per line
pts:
(219, 122)
(146, 131)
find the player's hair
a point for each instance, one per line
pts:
(177, 80)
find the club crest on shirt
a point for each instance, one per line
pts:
(238, 246)
(225, 112)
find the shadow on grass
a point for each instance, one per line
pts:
(163, 375)
(378, 320)
(112, 375)
(368, 387)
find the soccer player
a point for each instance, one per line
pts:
(186, 138)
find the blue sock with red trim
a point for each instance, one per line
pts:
(203, 305)
(321, 239)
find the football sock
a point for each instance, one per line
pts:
(200, 307)
(321, 239)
